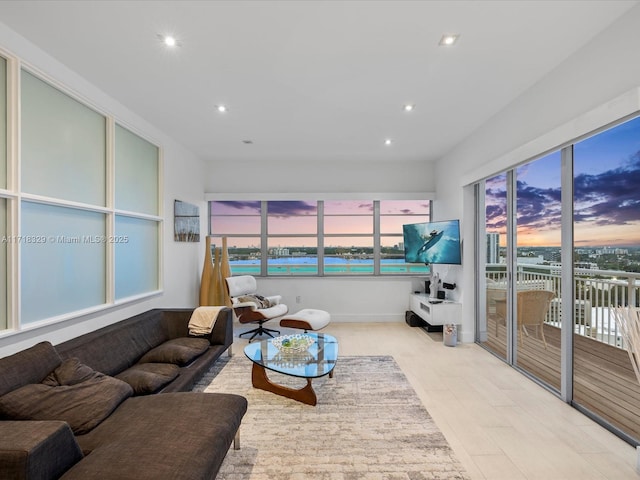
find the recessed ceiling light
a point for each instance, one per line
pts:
(409, 107)
(449, 39)
(169, 40)
(387, 141)
(221, 108)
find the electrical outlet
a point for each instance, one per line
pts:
(298, 299)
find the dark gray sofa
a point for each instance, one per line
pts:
(142, 424)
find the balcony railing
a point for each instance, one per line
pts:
(596, 293)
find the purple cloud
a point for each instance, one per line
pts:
(608, 198)
(291, 208)
(611, 197)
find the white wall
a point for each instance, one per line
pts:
(183, 174)
(597, 85)
(330, 177)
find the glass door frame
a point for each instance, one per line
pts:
(567, 284)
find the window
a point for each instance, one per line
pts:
(89, 215)
(3, 201)
(63, 145)
(240, 222)
(330, 237)
(3, 123)
(348, 237)
(292, 229)
(3, 264)
(394, 214)
(58, 251)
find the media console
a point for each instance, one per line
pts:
(435, 314)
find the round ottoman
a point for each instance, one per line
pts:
(306, 319)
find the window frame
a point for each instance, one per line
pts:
(322, 238)
(15, 198)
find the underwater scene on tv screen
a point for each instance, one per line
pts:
(432, 242)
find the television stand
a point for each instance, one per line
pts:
(435, 312)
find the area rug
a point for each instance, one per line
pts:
(368, 424)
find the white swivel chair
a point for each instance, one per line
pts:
(250, 307)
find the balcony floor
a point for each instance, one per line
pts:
(604, 380)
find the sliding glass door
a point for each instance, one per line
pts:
(562, 241)
(538, 269)
(494, 281)
(607, 259)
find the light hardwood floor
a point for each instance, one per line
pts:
(501, 425)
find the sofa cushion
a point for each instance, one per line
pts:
(28, 366)
(179, 351)
(146, 378)
(115, 348)
(70, 372)
(36, 450)
(83, 405)
(177, 436)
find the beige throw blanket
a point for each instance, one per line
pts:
(203, 319)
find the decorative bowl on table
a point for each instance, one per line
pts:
(296, 343)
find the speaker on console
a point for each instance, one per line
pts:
(413, 320)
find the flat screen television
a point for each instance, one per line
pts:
(432, 242)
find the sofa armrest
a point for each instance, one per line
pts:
(37, 450)
(176, 322)
(222, 333)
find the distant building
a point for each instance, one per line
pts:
(493, 248)
(557, 268)
(552, 255)
(279, 252)
(531, 260)
(612, 251)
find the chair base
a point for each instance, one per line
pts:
(260, 331)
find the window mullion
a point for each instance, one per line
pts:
(110, 216)
(376, 237)
(320, 240)
(264, 237)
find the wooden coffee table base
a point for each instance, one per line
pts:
(305, 394)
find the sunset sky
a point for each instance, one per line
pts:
(346, 223)
(606, 193)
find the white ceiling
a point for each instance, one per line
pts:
(313, 80)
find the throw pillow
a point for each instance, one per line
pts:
(259, 300)
(147, 378)
(179, 351)
(82, 405)
(70, 372)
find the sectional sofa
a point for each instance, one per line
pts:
(115, 403)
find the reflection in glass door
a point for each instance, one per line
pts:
(494, 336)
(538, 269)
(607, 253)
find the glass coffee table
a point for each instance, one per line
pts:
(317, 361)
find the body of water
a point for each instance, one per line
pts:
(309, 266)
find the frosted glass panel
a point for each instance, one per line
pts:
(136, 250)
(3, 124)
(64, 140)
(3, 263)
(136, 173)
(63, 263)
